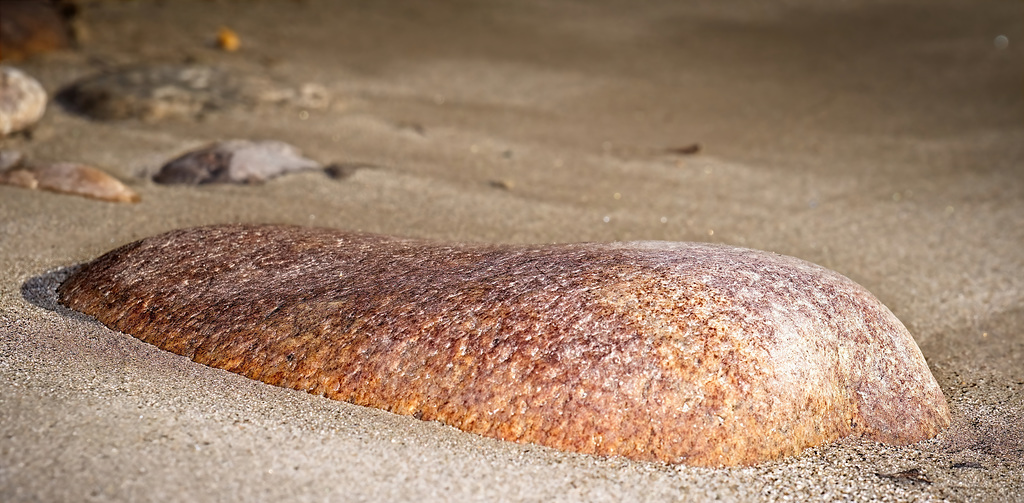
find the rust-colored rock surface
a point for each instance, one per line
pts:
(676, 352)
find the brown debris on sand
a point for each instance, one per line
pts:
(67, 178)
(675, 352)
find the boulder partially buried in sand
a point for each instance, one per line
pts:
(676, 352)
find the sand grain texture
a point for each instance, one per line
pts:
(656, 351)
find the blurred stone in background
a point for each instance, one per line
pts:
(30, 27)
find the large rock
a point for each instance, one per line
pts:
(675, 352)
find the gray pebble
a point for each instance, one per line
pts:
(235, 161)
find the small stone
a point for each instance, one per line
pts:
(69, 178)
(157, 92)
(227, 40)
(152, 93)
(671, 352)
(22, 100)
(235, 161)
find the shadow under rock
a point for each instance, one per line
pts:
(41, 291)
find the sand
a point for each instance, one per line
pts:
(884, 140)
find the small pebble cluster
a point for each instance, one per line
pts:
(153, 93)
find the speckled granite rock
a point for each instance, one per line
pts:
(676, 352)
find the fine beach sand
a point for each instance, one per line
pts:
(884, 140)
